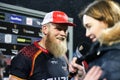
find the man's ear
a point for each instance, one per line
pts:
(45, 29)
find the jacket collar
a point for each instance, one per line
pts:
(111, 35)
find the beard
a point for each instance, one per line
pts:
(55, 48)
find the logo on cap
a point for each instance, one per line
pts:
(56, 17)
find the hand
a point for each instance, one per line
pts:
(94, 73)
(74, 67)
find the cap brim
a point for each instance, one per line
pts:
(71, 24)
(67, 23)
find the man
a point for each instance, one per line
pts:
(44, 60)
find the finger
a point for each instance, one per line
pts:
(74, 59)
(98, 73)
(71, 69)
(94, 73)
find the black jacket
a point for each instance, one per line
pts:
(106, 53)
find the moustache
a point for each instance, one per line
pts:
(61, 38)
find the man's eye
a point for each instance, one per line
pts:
(59, 29)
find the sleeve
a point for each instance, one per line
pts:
(20, 66)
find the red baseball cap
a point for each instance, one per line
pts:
(57, 17)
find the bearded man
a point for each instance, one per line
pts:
(44, 60)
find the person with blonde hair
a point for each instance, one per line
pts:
(44, 59)
(101, 19)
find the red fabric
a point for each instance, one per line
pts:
(38, 46)
(85, 64)
(60, 17)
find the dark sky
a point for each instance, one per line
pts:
(71, 7)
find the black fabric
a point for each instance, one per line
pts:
(108, 59)
(20, 66)
(45, 67)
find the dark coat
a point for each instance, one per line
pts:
(106, 53)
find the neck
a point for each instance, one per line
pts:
(42, 43)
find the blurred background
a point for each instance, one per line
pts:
(71, 7)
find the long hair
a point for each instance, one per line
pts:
(107, 11)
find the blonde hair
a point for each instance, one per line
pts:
(103, 10)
